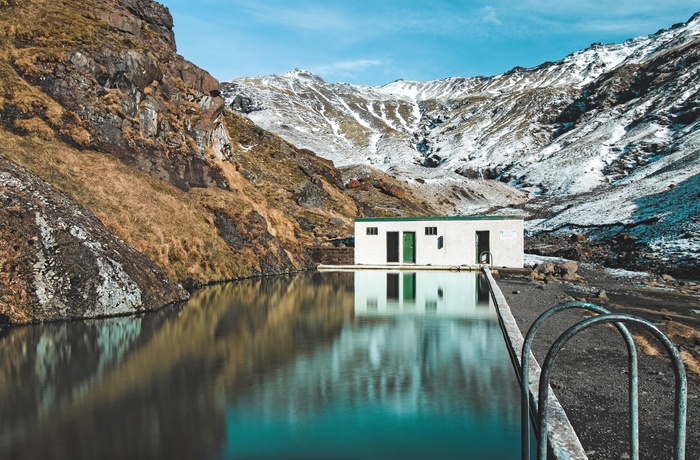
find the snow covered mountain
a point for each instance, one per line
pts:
(606, 140)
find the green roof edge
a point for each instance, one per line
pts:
(434, 218)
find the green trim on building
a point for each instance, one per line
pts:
(435, 219)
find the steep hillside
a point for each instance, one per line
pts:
(95, 102)
(597, 139)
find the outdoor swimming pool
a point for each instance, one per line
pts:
(368, 364)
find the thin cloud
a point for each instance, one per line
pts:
(347, 68)
(489, 16)
(621, 16)
(312, 17)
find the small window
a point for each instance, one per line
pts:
(372, 231)
(431, 230)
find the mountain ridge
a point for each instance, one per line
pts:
(612, 122)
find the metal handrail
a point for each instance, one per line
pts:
(525, 376)
(681, 391)
(490, 262)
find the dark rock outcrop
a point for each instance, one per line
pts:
(309, 195)
(57, 260)
(123, 88)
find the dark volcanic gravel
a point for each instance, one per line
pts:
(590, 375)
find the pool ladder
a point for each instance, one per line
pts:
(529, 407)
(486, 260)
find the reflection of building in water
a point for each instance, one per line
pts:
(406, 365)
(444, 293)
(420, 342)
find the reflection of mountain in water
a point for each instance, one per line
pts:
(438, 344)
(164, 385)
(155, 386)
(420, 372)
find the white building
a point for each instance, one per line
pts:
(439, 241)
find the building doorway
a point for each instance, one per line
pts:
(483, 247)
(409, 247)
(392, 246)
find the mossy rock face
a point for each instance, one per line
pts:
(57, 260)
(309, 195)
(111, 69)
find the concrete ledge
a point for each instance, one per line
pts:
(408, 267)
(563, 441)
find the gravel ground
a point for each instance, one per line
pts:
(590, 376)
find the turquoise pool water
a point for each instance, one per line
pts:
(321, 365)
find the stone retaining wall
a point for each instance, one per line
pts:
(338, 256)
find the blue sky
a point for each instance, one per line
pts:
(373, 42)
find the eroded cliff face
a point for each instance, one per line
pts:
(59, 261)
(116, 85)
(95, 102)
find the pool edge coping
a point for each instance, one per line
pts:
(563, 439)
(399, 267)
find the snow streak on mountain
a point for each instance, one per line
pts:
(604, 141)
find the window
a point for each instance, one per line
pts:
(431, 230)
(372, 231)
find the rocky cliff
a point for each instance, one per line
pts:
(95, 102)
(59, 261)
(113, 83)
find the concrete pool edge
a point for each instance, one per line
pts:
(563, 440)
(399, 267)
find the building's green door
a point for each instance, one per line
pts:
(409, 247)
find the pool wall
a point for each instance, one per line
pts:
(563, 440)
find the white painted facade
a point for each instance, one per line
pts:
(439, 241)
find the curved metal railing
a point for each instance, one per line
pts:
(490, 257)
(525, 374)
(541, 408)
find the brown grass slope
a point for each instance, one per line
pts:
(199, 190)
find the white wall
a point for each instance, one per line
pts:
(459, 236)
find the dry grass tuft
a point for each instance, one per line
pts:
(34, 126)
(688, 338)
(644, 346)
(692, 364)
(685, 338)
